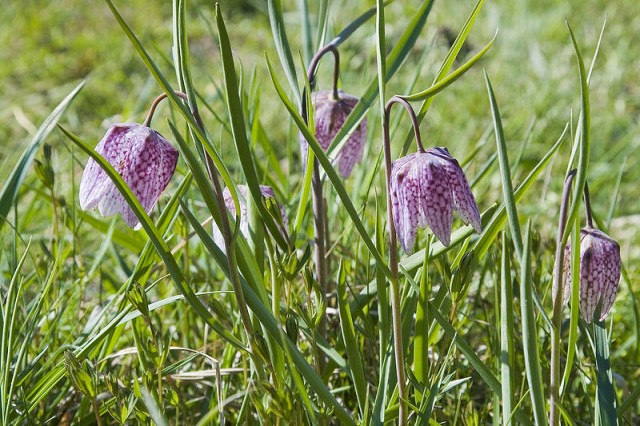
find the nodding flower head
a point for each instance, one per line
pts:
(426, 187)
(243, 194)
(330, 115)
(145, 160)
(599, 272)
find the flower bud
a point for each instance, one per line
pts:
(426, 187)
(330, 115)
(599, 273)
(144, 159)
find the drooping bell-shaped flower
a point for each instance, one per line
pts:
(145, 160)
(426, 187)
(243, 194)
(330, 115)
(599, 272)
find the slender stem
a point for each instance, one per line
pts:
(396, 303)
(319, 218)
(160, 98)
(313, 67)
(587, 206)
(225, 228)
(554, 385)
(96, 412)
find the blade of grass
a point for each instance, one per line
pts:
(530, 335)
(354, 356)
(236, 115)
(278, 28)
(12, 185)
(439, 86)
(606, 394)
(505, 171)
(507, 355)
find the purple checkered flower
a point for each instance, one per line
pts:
(145, 160)
(243, 195)
(599, 272)
(425, 189)
(330, 115)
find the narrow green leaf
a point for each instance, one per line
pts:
(278, 28)
(354, 356)
(236, 115)
(439, 86)
(12, 185)
(606, 398)
(505, 171)
(507, 354)
(530, 335)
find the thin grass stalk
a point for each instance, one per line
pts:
(529, 333)
(506, 335)
(554, 382)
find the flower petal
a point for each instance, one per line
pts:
(436, 206)
(405, 193)
(329, 116)
(95, 183)
(463, 199)
(599, 273)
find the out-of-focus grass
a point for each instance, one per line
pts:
(46, 48)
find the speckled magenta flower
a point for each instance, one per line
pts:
(243, 195)
(145, 160)
(425, 189)
(599, 272)
(330, 115)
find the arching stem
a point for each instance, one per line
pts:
(319, 216)
(396, 303)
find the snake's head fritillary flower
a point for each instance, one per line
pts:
(243, 195)
(426, 187)
(599, 272)
(330, 115)
(145, 160)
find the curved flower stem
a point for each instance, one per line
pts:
(315, 61)
(556, 321)
(396, 313)
(319, 218)
(587, 206)
(225, 227)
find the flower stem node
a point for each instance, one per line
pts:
(330, 115)
(144, 159)
(599, 273)
(426, 187)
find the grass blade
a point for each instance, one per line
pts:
(12, 185)
(505, 171)
(530, 335)
(351, 343)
